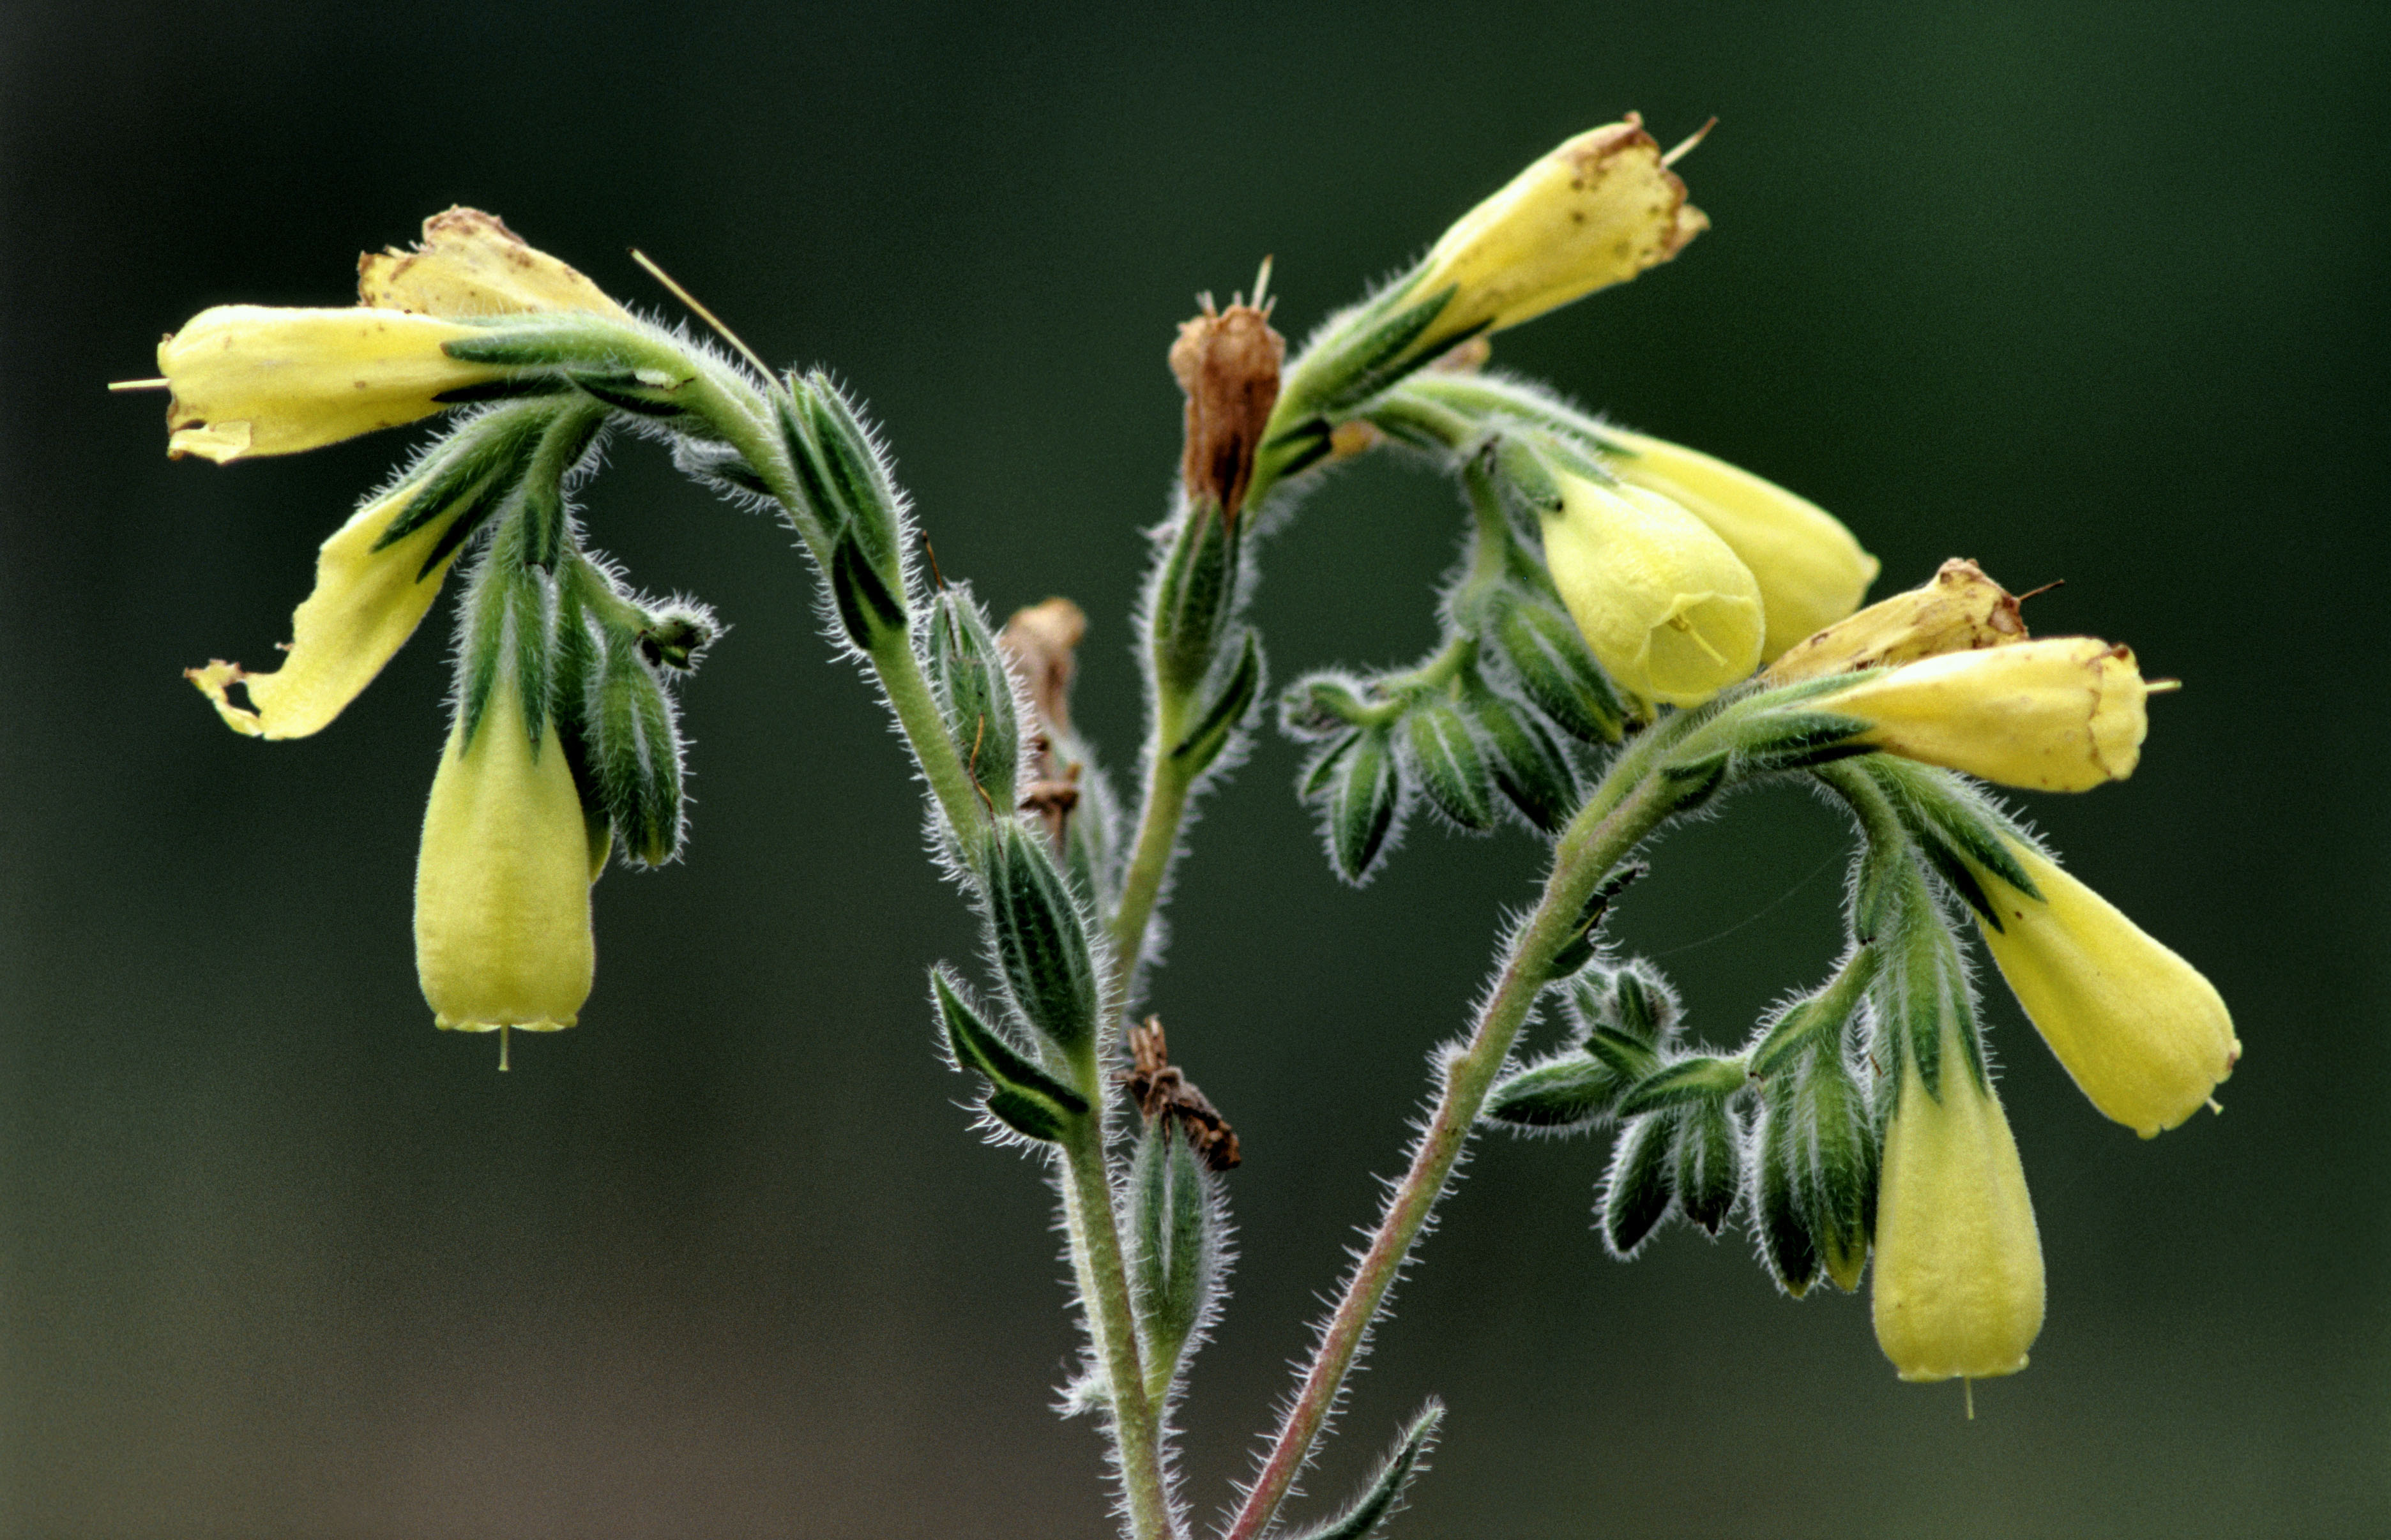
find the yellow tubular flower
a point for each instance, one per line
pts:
(469, 264)
(502, 885)
(2145, 1036)
(365, 606)
(2062, 714)
(1812, 572)
(1597, 211)
(1960, 609)
(254, 379)
(1670, 613)
(1958, 1264)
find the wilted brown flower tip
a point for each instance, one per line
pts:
(1041, 643)
(1228, 362)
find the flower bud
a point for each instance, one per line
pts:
(253, 380)
(1960, 609)
(1597, 210)
(1811, 570)
(1670, 612)
(469, 264)
(2065, 714)
(1958, 1264)
(2145, 1036)
(502, 885)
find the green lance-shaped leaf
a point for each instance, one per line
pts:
(1579, 950)
(1384, 1493)
(1708, 1161)
(1450, 766)
(1177, 1256)
(1021, 1095)
(1555, 669)
(1365, 800)
(868, 609)
(1216, 727)
(1528, 766)
(1641, 1184)
(1042, 942)
(1194, 596)
(975, 692)
(1568, 1093)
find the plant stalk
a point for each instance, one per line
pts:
(1631, 803)
(1102, 1276)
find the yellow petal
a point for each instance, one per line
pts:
(2145, 1036)
(1959, 1263)
(502, 884)
(366, 604)
(469, 264)
(1597, 211)
(1960, 609)
(2062, 714)
(1810, 569)
(1669, 611)
(254, 379)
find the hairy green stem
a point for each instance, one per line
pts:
(1630, 804)
(1167, 786)
(1102, 1276)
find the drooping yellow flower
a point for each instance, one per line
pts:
(256, 380)
(503, 933)
(1597, 210)
(469, 264)
(2144, 1035)
(1959, 610)
(1669, 611)
(1959, 1263)
(1811, 570)
(2062, 714)
(366, 602)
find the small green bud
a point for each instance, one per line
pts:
(1527, 765)
(1195, 595)
(1633, 1000)
(1364, 801)
(1639, 1187)
(1451, 767)
(1555, 670)
(633, 741)
(1708, 1162)
(1041, 943)
(1569, 1092)
(1786, 1241)
(1176, 1258)
(975, 691)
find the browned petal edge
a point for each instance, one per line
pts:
(1228, 362)
(1040, 646)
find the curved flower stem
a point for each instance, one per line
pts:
(1631, 803)
(1158, 840)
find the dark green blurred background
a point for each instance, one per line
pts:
(2093, 293)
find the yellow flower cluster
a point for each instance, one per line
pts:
(502, 887)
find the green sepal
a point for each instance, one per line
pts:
(1696, 1077)
(1570, 1092)
(554, 340)
(1042, 942)
(469, 475)
(1921, 990)
(1819, 1019)
(1320, 772)
(1021, 1095)
(1381, 1498)
(975, 692)
(1556, 671)
(1528, 766)
(521, 387)
(507, 622)
(1692, 782)
(1777, 741)
(1708, 1158)
(1193, 597)
(1451, 767)
(1212, 731)
(867, 608)
(1585, 938)
(652, 393)
(1364, 794)
(854, 473)
(1524, 477)
(1640, 1186)
(1955, 828)
(1363, 356)
(635, 746)
(1176, 1255)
